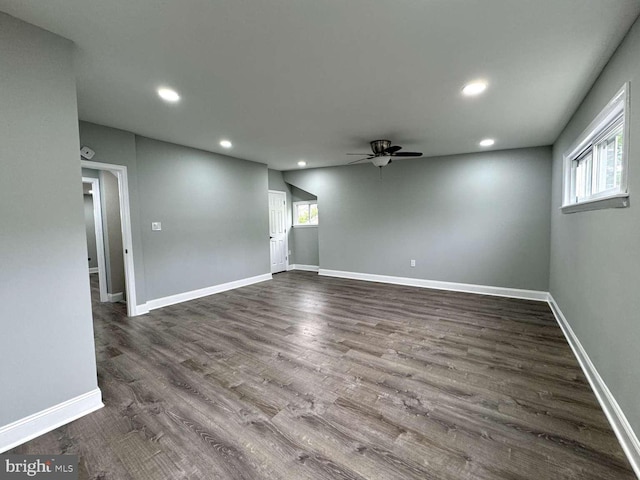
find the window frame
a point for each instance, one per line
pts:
(295, 213)
(612, 116)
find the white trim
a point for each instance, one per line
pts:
(304, 268)
(141, 309)
(202, 292)
(115, 297)
(94, 270)
(438, 285)
(626, 436)
(619, 200)
(33, 426)
(125, 220)
(96, 198)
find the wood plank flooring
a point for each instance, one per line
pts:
(308, 377)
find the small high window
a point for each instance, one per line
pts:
(595, 167)
(305, 213)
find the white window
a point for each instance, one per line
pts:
(595, 167)
(305, 213)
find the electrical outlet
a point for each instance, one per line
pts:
(156, 226)
(413, 263)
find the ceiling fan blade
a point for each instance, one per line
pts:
(359, 160)
(407, 154)
(392, 149)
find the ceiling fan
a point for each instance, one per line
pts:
(383, 153)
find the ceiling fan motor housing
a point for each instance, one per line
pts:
(379, 146)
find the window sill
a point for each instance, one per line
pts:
(305, 226)
(620, 200)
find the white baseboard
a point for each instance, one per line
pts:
(115, 297)
(304, 268)
(626, 436)
(140, 310)
(33, 426)
(93, 269)
(203, 292)
(456, 287)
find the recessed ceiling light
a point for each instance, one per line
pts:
(226, 144)
(168, 94)
(487, 142)
(302, 163)
(474, 88)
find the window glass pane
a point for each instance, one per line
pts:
(303, 214)
(609, 162)
(313, 214)
(583, 176)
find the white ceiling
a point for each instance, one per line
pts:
(314, 79)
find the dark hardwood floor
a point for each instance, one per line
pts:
(308, 377)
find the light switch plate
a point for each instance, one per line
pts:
(156, 226)
(413, 263)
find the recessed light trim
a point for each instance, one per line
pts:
(474, 88)
(226, 144)
(302, 163)
(168, 94)
(487, 142)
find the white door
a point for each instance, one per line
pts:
(278, 231)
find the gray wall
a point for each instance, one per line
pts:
(119, 147)
(90, 228)
(595, 255)
(112, 233)
(304, 246)
(477, 218)
(213, 211)
(91, 173)
(276, 182)
(47, 353)
(298, 195)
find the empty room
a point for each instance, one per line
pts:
(318, 239)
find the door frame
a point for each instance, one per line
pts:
(120, 171)
(97, 220)
(287, 228)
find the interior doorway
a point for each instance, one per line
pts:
(95, 237)
(278, 231)
(114, 263)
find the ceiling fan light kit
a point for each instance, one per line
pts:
(381, 161)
